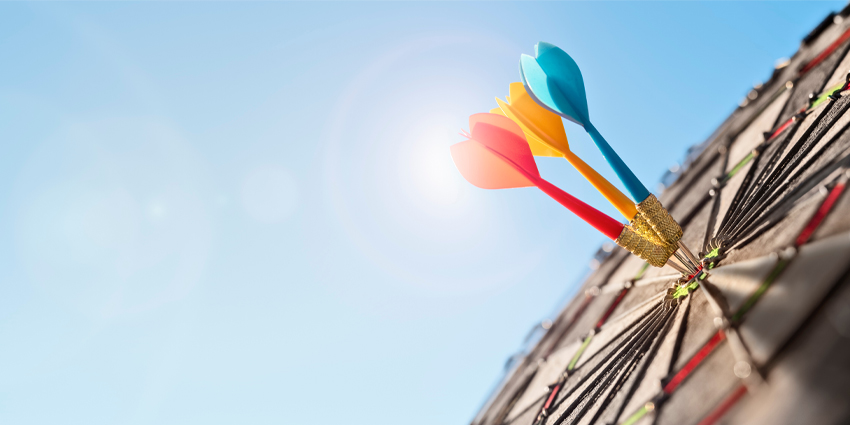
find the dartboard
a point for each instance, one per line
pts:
(761, 333)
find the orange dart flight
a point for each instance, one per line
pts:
(544, 131)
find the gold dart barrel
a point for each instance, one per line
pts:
(661, 221)
(654, 254)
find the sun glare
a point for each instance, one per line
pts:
(434, 181)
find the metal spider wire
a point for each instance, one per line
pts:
(640, 324)
(640, 321)
(641, 373)
(634, 345)
(784, 194)
(747, 197)
(774, 182)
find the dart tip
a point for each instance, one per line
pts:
(687, 260)
(684, 261)
(690, 255)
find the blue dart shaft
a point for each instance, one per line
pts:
(633, 185)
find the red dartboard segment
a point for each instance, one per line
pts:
(611, 308)
(823, 210)
(825, 53)
(694, 362)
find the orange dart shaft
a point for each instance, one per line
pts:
(620, 201)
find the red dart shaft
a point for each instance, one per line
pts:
(599, 220)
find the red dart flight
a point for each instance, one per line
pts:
(497, 156)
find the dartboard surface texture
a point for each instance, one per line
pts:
(762, 334)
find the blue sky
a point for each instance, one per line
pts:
(229, 213)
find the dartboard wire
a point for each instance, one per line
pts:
(715, 194)
(506, 409)
(767, 177)
(622, 346)
(791, 83)
(827, 97)
(555, 388)
(778, 128)
(763, 195)
(761, 199)
(680, 335)
(604, 377)
(730, 334)
(677, 345)
(789, 208)
(734, 334)
(673, 383)
(625, 371)
(525, 410)
(517, 393)
(614, 338)
(739, 194)
(790, 253)
(615, 389)
(642, 323)
(778, 214)
(642, 372)
(826, 52)
(624, 353)
(656, 279)
(639, 353)
(589, 296)
(794, 181)
(745, 185)
(786, 207)
(745, 190)
(761, 175)
(794, 200)
(754, 217)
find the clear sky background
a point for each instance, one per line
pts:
(226, 213)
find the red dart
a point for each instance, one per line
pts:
(497, 156)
